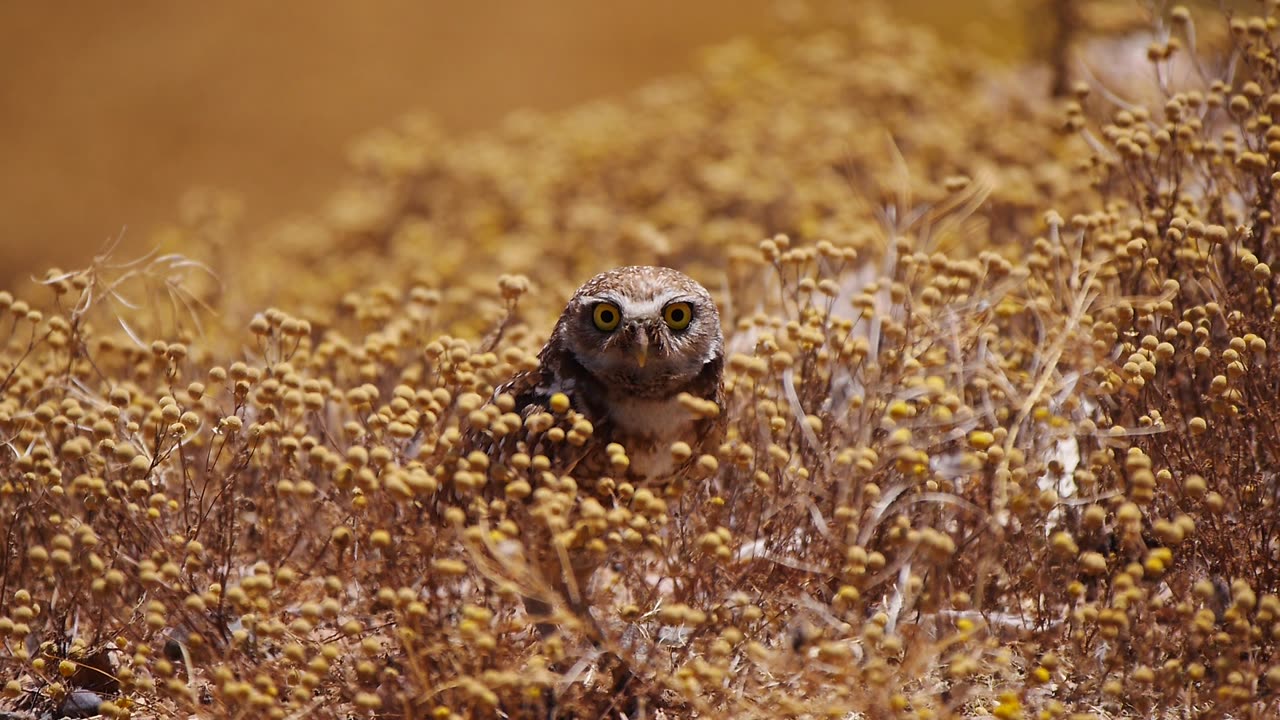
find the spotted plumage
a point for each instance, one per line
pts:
(626, 375)
(634, 350)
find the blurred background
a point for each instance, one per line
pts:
(109, 112)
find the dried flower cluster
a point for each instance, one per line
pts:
(1002, 435)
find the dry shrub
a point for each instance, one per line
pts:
(965, 473)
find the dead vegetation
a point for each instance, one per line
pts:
(1001, 402)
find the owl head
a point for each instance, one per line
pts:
(642, 330)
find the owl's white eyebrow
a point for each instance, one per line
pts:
(643, 308)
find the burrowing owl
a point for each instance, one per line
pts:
(630, 343)
(627, 345)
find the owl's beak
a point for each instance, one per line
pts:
(641, 350)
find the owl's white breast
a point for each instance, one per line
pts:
(647, 428)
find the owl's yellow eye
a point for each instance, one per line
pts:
(677, 315)
(606, 316)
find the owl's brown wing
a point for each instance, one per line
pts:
(546, 581)
(532, 392)
(709, 432)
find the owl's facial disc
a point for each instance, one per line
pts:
(640, 331)
(630, 342)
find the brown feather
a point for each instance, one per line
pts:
(635, 405)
